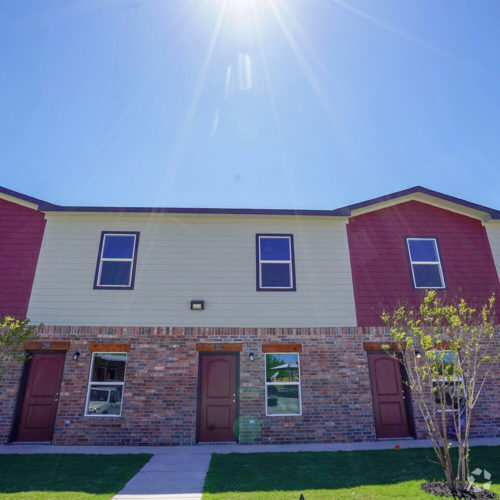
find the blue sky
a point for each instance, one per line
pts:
(310, 104)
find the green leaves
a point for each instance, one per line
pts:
(13, 334)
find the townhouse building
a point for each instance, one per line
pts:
(167, 326)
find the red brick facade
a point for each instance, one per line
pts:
(380, 267)
(161, 387)
(21, 231)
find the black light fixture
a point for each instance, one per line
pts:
(418, 355)
(250, 356)
(197, 305)
(76, 356)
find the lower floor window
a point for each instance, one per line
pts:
(449, 386)
(283, 384)
(107, 377)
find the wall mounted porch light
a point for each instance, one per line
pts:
(197, 305)
(76, 356)
(250, 356)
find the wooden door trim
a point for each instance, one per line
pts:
(202, 354)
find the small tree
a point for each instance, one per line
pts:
(13, 334)
(448, 353)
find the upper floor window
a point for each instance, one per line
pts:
(116, 260)
(275, 262)
(425, 263)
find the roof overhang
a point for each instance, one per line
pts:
(423, 195)
(417, 193)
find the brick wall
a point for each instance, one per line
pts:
(380, 268)
(160, 395)
(21, 231)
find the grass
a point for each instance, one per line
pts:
(325, 475)
(68, 477)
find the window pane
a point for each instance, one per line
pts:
(453, 393)
(275, 275)
(275, 248)
(105, 399)
(445, 363)
(423, 250)
(283, 399)
(109, 366)
(115, 273)
(117, 246)
(427, 275)
(282, 367)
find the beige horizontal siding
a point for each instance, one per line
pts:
(184, 257)
(493, 231)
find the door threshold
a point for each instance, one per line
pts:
(29, 443)
(402, 438)
(221, 443)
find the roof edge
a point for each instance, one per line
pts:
(48, 207)
(23, 197)
(494, 214)
(346, 211)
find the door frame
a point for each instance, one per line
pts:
(198, 389)
(22, 387)
(407, 394)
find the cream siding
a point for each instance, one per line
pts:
(183, 257)
(493, 231)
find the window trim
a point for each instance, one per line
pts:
(100, 260)
(291, 262)
(438, 263)
(91, 383)
(283, 383)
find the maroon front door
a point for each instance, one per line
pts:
(391, 419)
(217, 414)
(38, 412)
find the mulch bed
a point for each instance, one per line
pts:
(440, 489)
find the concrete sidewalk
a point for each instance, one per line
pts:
(178, 472)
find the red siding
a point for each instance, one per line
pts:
(380, 268)
(21, 231)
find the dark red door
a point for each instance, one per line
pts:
(217, 397)
(38, 412)
(391, 419)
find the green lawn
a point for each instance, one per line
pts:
(326, 475)
(68, 476)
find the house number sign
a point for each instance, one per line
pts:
(45, 346)
(226, 347)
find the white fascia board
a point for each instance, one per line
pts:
(18, 201)
(429, 200)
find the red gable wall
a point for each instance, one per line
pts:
(21, 231)
(380, 267)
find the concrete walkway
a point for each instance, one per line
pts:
(178, 472)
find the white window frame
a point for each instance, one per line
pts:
(289, 237)
(283, 383)
(458, 378)
(102, 259)
(435, 263)
(105, 383)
